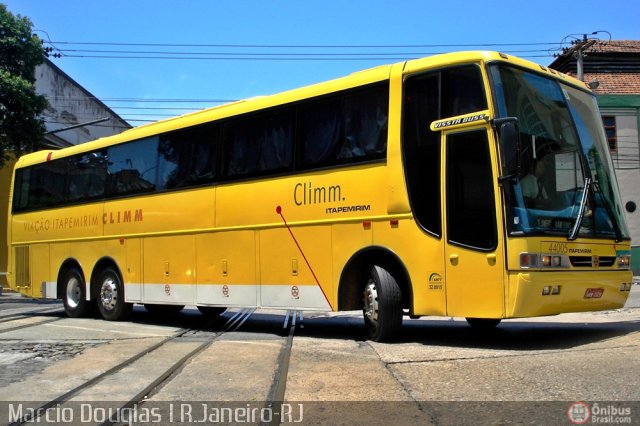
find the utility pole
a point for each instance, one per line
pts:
(577, 50)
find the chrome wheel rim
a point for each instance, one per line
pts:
(371, 302)
(73, 293)
(109, 294)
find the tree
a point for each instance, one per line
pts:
(21, 128)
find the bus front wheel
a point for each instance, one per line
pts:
(382, 305)
(111, 301)
(74, 294)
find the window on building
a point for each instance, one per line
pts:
(609, 122)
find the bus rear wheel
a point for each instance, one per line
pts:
(382, 305)
(111, 296)
(74, 294)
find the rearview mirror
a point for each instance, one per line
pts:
(509, 134)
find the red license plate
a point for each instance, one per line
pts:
(594, 293)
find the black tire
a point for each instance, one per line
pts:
(111, 302)
(154, 309)
(74, 295)
(211, 311)
(382, 305)
(483, 323)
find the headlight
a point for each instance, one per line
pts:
(538, 260)
(624, 261)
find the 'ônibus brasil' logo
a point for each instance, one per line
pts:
(579, 413)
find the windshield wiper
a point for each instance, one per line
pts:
(583, 206)
(607, 207)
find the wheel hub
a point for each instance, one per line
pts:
(109, 294)
(371, 302)
(73, 293)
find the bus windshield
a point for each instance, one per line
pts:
(564, 182)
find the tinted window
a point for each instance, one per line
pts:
(347, 127)
(344, 129)
(41, 186)
(187, 157)
(259, 144)
(422, 150)
(132, 167)
(429, 97)
(470, 200)
(462, 91)
(87, 176)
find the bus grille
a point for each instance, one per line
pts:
(23, 275)
(592, 261)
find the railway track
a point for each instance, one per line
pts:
(133, 382)
(19, 313)
(19, 318)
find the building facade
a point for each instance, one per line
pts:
(615, 66)
(72, 107)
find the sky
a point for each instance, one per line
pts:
(146, 58)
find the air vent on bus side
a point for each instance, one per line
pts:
(22, 267)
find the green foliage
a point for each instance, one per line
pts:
(21, 128)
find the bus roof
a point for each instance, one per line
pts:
(257, 103)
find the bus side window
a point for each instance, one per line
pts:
(46, 184)
(428, 97)
(321, 131)
(133, 166)
(462, 91)
(259, 145)
(346, 128)
(421, 150)
(365, 126)
(87, 176)
(187, 157)
(471, 219)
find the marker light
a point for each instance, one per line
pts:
(536, 260)
(625, 286)
(551, 260)
(528, 260)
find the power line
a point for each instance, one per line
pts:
(270, 52)
(191, 56)
(256, 52)
(146, 108)
(299, 46)
(144, 100)
(266, 54)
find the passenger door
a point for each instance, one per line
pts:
(474, 260)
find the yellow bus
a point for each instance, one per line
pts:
(470, 184)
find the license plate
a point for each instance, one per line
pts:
(594, 293)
